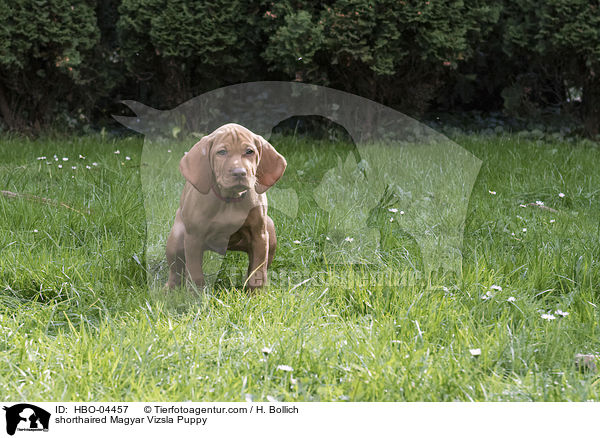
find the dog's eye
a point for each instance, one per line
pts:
(222, 152)
(249, 151)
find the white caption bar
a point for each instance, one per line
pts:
(21, 419)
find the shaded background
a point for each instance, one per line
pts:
(66, 64)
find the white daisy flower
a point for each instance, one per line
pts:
(65, 159)
(561, 195)
(496, 287)
(561, 313)
(475, 352)
(492, 192)
(511, 299)
(548, 316)
(285, 368)
(349, 239)
(267, 350)
(128, 158)
(60, 166)
(552, 221)
(539, 202)
(297, 241)
(393, 210)
(117, 152)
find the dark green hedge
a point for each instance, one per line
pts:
(71, 61)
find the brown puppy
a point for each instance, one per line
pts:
(223, 205)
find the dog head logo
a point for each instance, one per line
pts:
(427, 176)
(26, 417)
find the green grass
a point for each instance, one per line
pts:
(78, 322)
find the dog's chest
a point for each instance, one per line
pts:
(217, 226)
(224, 224)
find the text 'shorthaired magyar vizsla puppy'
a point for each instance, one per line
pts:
(223, 205)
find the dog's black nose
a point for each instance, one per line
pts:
(239, 172)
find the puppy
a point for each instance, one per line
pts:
(223, 205)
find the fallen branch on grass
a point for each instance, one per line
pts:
(543, 207)
(8, 194)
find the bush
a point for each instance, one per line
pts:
(44, 51)
(293, 45)
(74, 60)
(564, 37)
(180, 49)
(394, 52)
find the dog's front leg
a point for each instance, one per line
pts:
(194, 252)
(258, 257)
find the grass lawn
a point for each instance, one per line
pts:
(78, 322)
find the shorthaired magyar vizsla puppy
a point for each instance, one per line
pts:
(223, 205)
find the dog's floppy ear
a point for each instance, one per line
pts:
(195, 165)
(271, 165)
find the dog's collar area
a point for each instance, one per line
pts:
(228, 199)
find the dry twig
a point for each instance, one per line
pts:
(8, 194)
(543, 207)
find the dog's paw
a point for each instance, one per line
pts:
(257, 280)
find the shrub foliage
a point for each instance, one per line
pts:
(70, 60)
(45, 49)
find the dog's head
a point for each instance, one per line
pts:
(233, 159)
